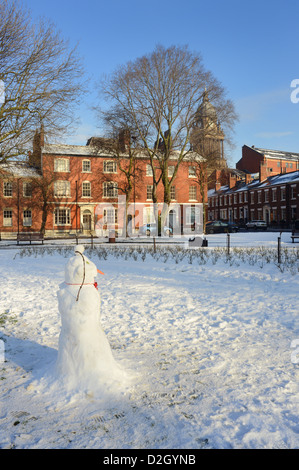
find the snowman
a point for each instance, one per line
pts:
(85, 358)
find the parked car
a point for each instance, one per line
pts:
(151, 229)
(217, 226)
(257, 224)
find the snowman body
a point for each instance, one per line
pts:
(84, 355)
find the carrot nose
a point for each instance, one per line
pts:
(100, 271)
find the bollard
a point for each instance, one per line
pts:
(228, 243)
(278, 250)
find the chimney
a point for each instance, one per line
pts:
(124, 140)
(38, 143)
(263, 171)
(248, 178)
(232, 180)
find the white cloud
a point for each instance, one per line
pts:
(273, 135)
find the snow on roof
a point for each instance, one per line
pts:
(64, 149)
(292, 177)
(278, 154)
(284, 178)
(20, 169)
(89, 150)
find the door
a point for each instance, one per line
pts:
(86, 220)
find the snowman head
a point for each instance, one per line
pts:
(79, 268)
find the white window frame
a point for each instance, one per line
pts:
(86, 188)
(110, 189)
(149, 170)
(61, 214)
(172, 193)
(110, 166)
(62, 165)
(191, 171)
(7, 189)
(149, 192)
(86, 163)
(27, 189)
(27, 217)
(170, 170)
(192, 193)
(7, 221)
(62, 188)
(110, 216)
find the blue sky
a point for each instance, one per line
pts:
(251, 47)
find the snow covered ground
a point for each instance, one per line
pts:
(210, 340)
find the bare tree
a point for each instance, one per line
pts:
(42, 76)
(161, 93)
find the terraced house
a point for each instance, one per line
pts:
(246, 197)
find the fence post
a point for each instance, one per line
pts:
(278, 250)
(228, 243)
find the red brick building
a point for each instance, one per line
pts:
(247, 197)
(66, 189)
(270, 162)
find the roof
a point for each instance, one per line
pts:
(277, 154)
(64, 149)
(284, 178)
(20, 169)
(89, 151)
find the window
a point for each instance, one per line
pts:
(274, 194)
(110, 189)
(27, 218)
(252, 198)
(62, 164)
(110, 166)
(192, 193)
(27, 189)
(110, 216)
(245, 197)
(283, 214)
(171, 170)
(7, 217)
(293, 192)
(62, 188)
(86, 166)
(259, 197)
(149, 191)
(172, 192)
(62, 217)
(282, 194)
(7, 189)
(192, 172)
(240, 197)
(86, 189)
(266, 195)
(235, 199)
(149, 170)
